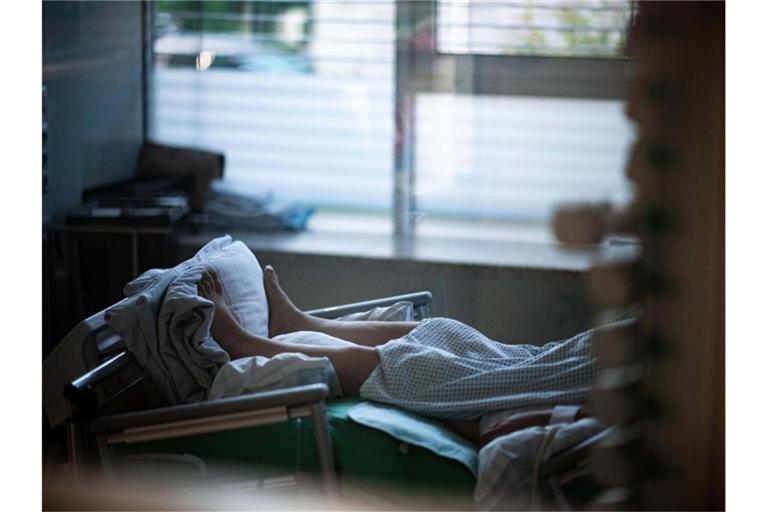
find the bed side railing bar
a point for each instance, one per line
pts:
(195, 426)
(418, 299)
(289, 397)
(81, 391)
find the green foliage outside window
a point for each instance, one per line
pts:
(583, 19)
(224, 16)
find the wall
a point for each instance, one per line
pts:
(93, 73)
(92, 66)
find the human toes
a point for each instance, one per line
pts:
(202, 287)
(270, 276)
(215, 281)
(206, 285)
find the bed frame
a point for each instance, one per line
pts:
(116, 402)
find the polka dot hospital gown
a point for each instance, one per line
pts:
(446, 369)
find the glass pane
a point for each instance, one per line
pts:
(298, 95)
(514, 158)
(583, 28)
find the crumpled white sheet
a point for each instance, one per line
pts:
(171, 340)
(255, 374)
(505, 479)
(401, 311)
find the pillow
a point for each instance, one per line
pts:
(146, 280)
(240, 275)
(242, 284)
(166, 325)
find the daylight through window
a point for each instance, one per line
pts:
(505, 107)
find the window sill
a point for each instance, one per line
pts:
(369, 238)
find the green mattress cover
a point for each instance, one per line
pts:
(359, 451)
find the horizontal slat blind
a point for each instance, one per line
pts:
(501, 157)
(516, 157)
(299, 95)
(574, 28)
(300, 98)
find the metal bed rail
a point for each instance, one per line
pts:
(94, 394)
(420, 301)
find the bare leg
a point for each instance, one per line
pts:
(352, 363)
(469, 430)
(285, 317)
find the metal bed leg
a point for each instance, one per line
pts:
(324, 448)
(105, 455)
(557, 492)
(75, 448)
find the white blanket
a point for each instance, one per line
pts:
(257, 374)
(507, 477)
(170, 337)
(170, 340)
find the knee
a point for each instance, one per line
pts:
(358, 364)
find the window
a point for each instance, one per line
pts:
(504, 108)
(555, 29)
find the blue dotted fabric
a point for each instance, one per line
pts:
(446, 369)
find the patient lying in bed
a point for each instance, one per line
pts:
(438, 367)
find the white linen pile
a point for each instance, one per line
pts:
(172, 341)
(166, 326)
(507, 477)
(257, 374)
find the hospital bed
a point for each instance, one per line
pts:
(118, 423)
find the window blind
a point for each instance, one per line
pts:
(298, 95)
(515, 158)
(506, 156)
(576, 28)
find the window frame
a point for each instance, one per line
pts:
(422, 71)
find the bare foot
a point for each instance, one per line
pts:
(284, 316)
(224, 326)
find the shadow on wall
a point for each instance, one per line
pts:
(93, 73)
